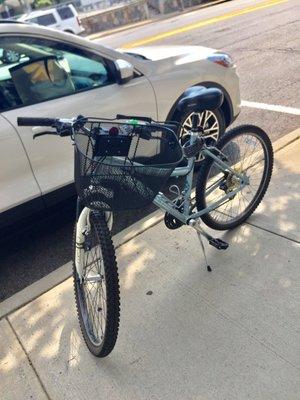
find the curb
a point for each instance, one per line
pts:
(286, 140)
(161, 17)
(56, 277)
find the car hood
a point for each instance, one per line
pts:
(157, 53)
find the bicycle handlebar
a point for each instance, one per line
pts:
(64, 127)
(28, 121)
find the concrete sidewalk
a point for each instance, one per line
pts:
(230, 334)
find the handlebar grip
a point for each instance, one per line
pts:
(146, 119)
(27, 121)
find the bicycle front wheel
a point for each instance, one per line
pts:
(247, 149)
(97, 294)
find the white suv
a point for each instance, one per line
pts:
(64, 18)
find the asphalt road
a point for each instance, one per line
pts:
(265, 45)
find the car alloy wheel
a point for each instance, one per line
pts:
(212, 123)
(10, 57)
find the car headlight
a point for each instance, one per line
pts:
(223, 59)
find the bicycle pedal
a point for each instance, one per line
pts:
(218, 243)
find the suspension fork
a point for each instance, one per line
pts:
(82, 229)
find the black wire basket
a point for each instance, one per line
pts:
(122, 166)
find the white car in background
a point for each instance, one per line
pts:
(64, 18)
(53, 74)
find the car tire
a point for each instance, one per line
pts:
(213, 123)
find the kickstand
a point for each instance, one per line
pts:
(208, 267)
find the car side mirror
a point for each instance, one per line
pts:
(125, 71)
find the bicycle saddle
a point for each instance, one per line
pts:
(200, 98)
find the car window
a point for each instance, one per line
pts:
(46, 19)
(34, 70)
(65, 12)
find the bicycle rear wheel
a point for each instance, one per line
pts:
(248, 150)
(97, 296)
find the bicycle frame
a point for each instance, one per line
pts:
(163, 202)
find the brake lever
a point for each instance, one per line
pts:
(64, 132)
(43, 133)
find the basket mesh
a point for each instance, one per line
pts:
(123, 166)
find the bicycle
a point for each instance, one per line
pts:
(124, 163)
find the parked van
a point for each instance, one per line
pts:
(64, 18)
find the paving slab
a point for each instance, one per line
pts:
(17, 378)
(280, 211)
(230, 334)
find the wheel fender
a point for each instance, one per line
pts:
(186, 93)
(226, 107)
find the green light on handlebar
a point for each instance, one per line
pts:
(133, 122)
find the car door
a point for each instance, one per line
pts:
(17, 182)
(53, 79)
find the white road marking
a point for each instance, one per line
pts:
(271, 107)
